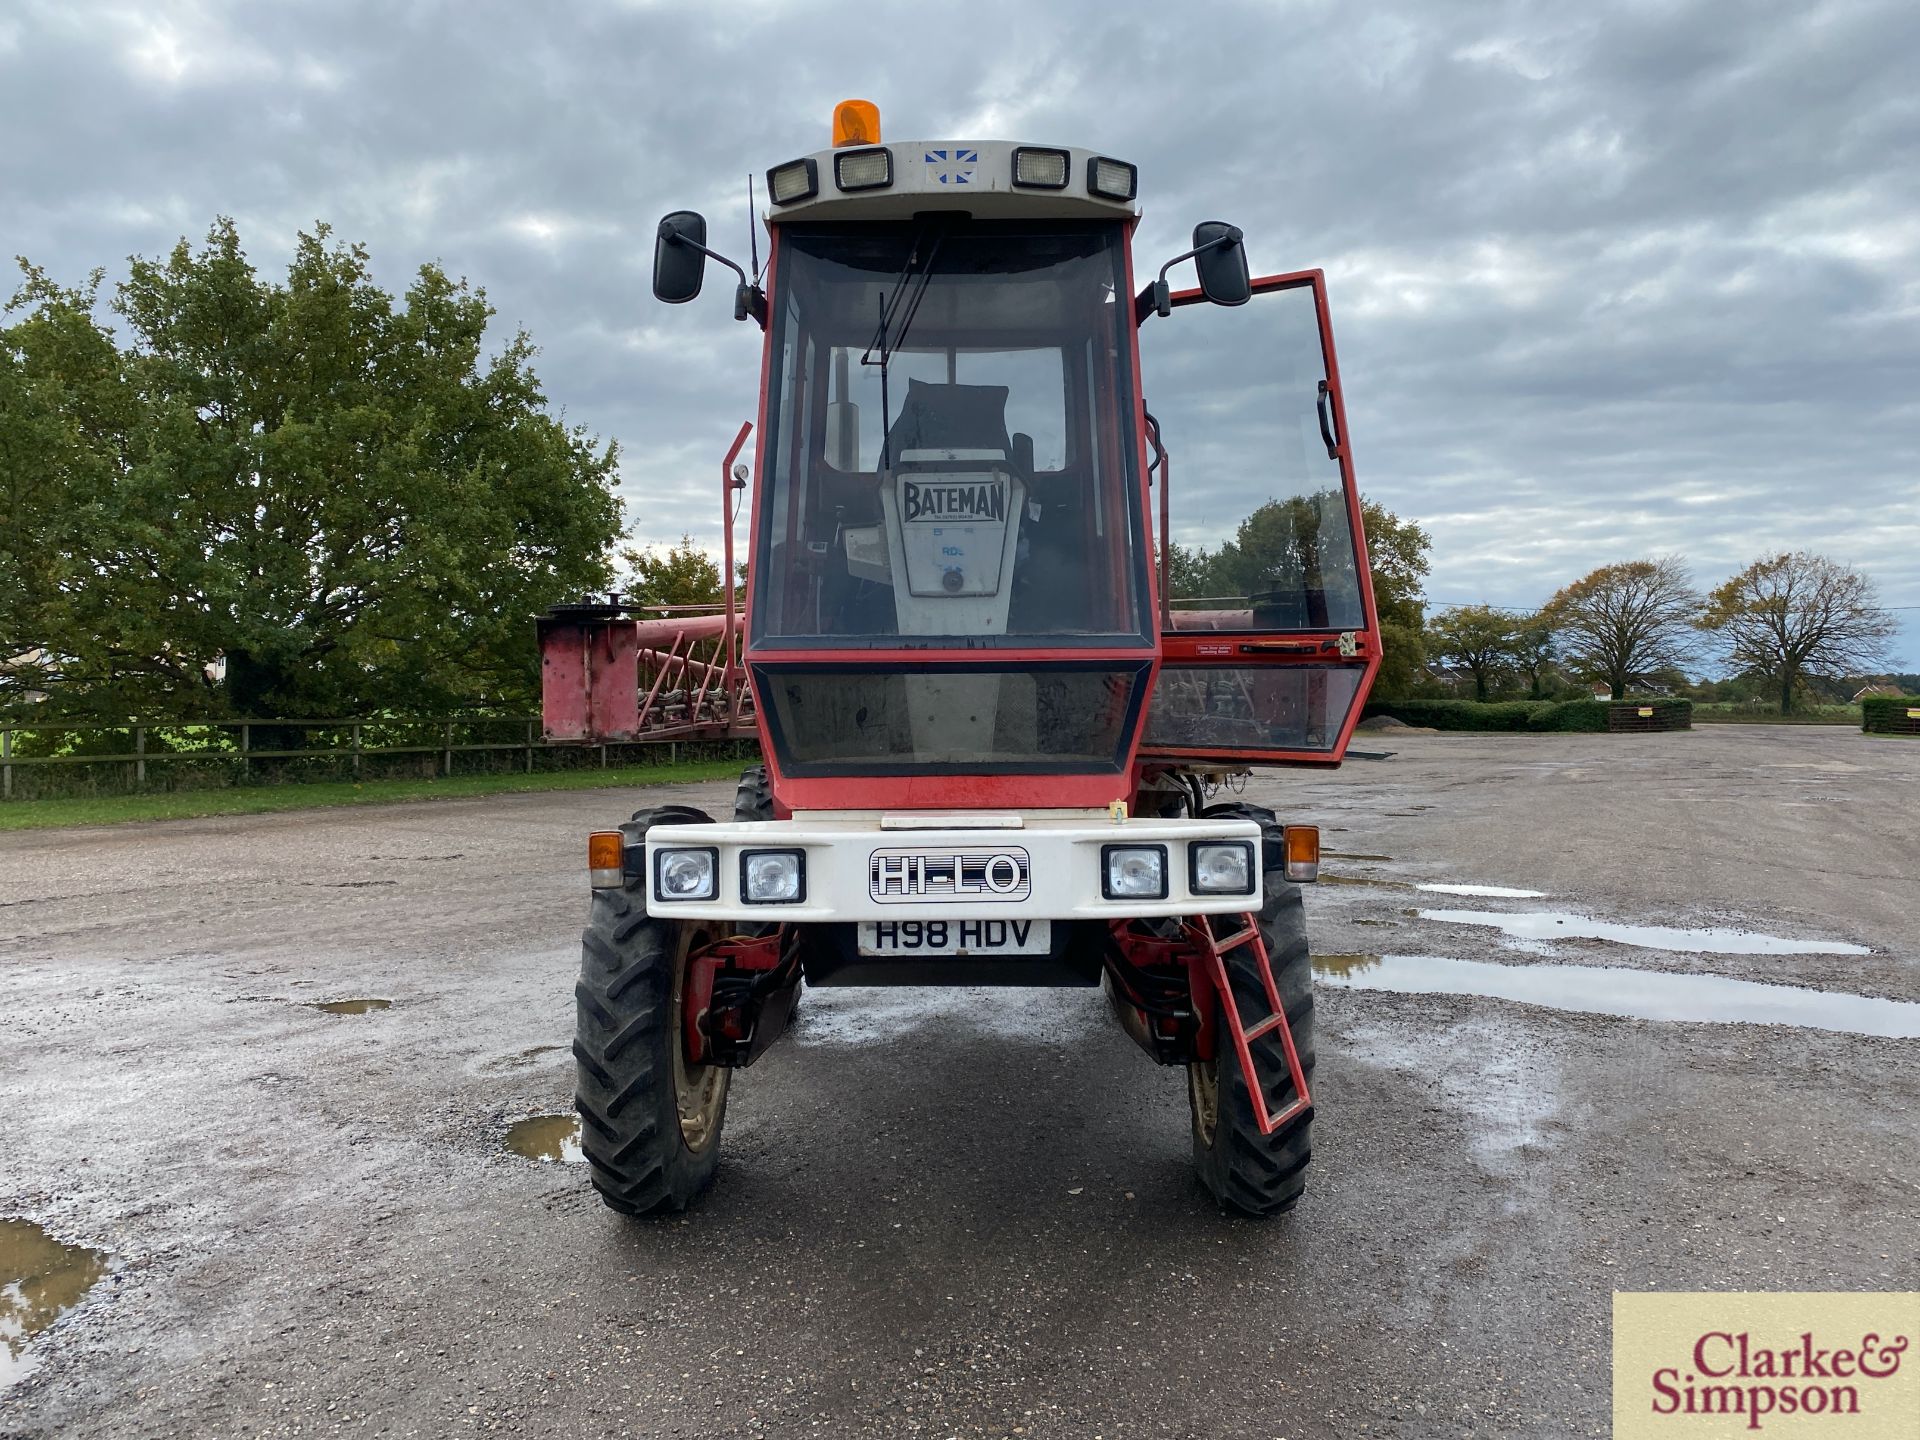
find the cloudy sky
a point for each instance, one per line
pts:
(1608, 280)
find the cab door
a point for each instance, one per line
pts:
(1269, 639)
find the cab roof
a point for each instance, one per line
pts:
(988, 179)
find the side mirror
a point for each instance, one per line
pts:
(680, 257)
(1221, 260)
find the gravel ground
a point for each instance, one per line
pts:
(946, 1213)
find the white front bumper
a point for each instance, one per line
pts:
(1061, 855)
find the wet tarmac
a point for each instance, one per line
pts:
(959, 1212)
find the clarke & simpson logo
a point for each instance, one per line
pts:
(1786, 1365)
(1729, 1376)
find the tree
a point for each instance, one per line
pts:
(1397, 561)
(1189, 568)
(1280, 542)
(1534, 651)
(682, 574)
(1794, 616)
(1622, 621)
(1297, 548)
(1479, 639)
(335, 492)
(64, 410)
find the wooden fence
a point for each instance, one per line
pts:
(176, 754)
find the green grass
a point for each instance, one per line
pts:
(263, 799)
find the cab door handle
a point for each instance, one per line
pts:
(1323, 403)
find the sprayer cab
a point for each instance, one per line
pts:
(954, 594)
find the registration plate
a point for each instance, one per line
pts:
(956, 937)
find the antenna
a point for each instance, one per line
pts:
(753, 232)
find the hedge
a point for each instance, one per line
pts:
(1887, 714)
(1521, 715)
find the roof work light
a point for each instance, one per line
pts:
(1112, 179)
(795, 180)
(863, 169)
(1040, 169)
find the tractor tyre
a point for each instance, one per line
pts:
(753, 799)
(1244, 1170)
(649, 1123)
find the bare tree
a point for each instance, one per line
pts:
(1799, 614)
(1624, 621)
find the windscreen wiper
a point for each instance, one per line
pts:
(905, 292)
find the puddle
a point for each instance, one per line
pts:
(1558, 925)
(40, 1280)
(1352, 855)
(1486, 892)
(1631, 994)
(547, 1138)
(1343, 964)
(348, 1007)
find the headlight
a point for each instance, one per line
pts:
(1221, 867)
(863, 169)
(773, 877)
(685, 874)
(1134, 872)
(795, 180)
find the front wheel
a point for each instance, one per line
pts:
(1245, 1170)
(649, 1122)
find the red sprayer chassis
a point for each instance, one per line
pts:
(993, 699)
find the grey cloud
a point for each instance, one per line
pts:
(1607, 281)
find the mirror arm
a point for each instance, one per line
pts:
(1157, 298)
(749, 300)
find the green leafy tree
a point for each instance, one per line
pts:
(1297, 549)
(1397, 559)
(1622, 622)
(679, 574)
(64, 412)
(1792, 618)
(1189, 568)
(1480, 640)
(1279, 546)
(336, 493)
(1535, 652)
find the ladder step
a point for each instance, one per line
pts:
(1266, 1026)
